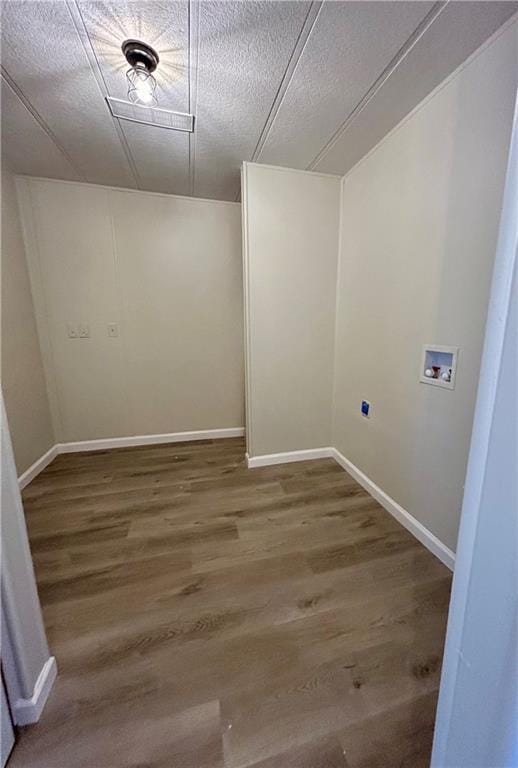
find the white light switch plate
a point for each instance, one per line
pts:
(73, 331)
(84, 331)
(113, 330)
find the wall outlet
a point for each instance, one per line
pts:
(73, 331)
(113, 330)
(84, 331)
(365, 408)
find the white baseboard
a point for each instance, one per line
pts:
(426, 537)
(288, 456)
(38, 466)
(135, 440)
(124, 442)
(27, 711)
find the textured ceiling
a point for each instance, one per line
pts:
(303, 84)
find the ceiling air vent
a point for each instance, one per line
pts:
(155, 116)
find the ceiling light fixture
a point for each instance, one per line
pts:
(143, 61)
(141, 104)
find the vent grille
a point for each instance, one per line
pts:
(155, 116)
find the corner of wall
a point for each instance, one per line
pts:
(25, 388)
(246, 307)
(337, 306)
(30, 240)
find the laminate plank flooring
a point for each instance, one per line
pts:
(204, 615)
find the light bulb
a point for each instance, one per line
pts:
(144, 88)
(141, 86)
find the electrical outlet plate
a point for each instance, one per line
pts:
(84, 331)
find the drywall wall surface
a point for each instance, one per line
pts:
(478, 702)
(23, 381)
(290, 250)
(182, 311)
(157, 282)
(419, 230)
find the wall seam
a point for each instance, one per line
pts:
(22, 98)
(298, 49)
(86, 42)
(337, 311)
(443, 84)
(391, 67)
(193, 74)
(122, 314)
(247, 313)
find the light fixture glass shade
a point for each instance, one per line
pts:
(141, 86)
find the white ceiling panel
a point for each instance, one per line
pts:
(458, 31)
(163, 25)
(26, 147)
(306, 84)
(244, 50)
(348, 49)
(161, 157)
(43, 54)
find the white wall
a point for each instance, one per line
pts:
(168, 271)
(477, 716)
(290, 252)
(420, 220)
(23, 381)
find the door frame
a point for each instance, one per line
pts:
(29, 669)
(478, 698)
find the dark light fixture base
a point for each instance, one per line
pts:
(139, 54)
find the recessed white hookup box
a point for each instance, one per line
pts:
(439, 365)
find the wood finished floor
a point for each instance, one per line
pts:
(204, 615)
